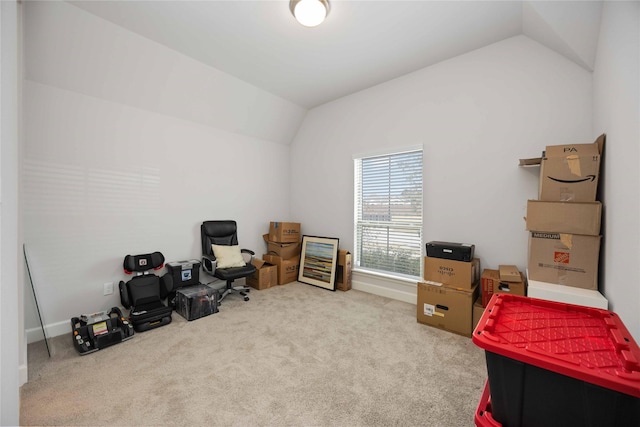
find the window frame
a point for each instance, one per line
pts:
(419, 225)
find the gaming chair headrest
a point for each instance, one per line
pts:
(143, 262)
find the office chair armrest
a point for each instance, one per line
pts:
(209, 264)
(248, 252)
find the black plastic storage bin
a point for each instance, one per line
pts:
(194, 302)
(555, 364)
(182, 274)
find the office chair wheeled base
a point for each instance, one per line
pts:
(229, 289)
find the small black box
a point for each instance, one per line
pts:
(453, 251)
(196, 301)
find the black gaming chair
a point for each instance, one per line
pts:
(224, 233)
(144, 292)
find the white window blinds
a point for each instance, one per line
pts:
(388, 212)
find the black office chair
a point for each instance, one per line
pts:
(224, 233)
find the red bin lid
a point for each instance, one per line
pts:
(588, 344)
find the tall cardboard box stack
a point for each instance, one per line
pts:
(446, 295)
(564, 223)
(283, 250)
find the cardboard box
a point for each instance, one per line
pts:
(569, 173)
(456, 274)
(284, 232)
(287, 268)
(509, 273)
(566, 294)
(265, 276)
(446, 308)
(343, 272)
(283, 250)
(564, 217)
(478, 310)
(564, 259)
(491, 282)
(513, 288)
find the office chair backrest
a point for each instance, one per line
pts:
(218, 233)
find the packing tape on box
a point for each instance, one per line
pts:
(573, 162)
(566, 239)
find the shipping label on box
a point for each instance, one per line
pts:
(343, 272)
(457, 274)
(569, 173)
(264, 277)
(287, 268)
(446, 308)
(564, 259)
(284, 232)
(564, 217)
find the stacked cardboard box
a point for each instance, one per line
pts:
(265, 276)
(564, 224)
(446, 295)
(507, 279)
(283, 250)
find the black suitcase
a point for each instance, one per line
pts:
(449, 250)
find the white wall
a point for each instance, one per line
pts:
(475, 115)
(11, 311)
(128, 146)
(616, 81)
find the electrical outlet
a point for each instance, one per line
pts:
(108, 288)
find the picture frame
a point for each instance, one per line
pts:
(319, 261)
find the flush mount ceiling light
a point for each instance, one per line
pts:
(310, 13)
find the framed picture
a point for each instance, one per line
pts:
(318, 261)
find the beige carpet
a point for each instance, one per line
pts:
(295, 355)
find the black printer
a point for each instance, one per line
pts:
(449, 250)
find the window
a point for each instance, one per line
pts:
(388, 212)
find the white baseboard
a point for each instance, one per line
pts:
(383, 291)
(53, 330)
(23, 375)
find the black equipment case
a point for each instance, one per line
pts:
(196, 301)
(181, 274)
(453, 251)
(96, 331)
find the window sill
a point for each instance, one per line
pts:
(387, 276)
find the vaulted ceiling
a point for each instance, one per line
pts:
(361, 44)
